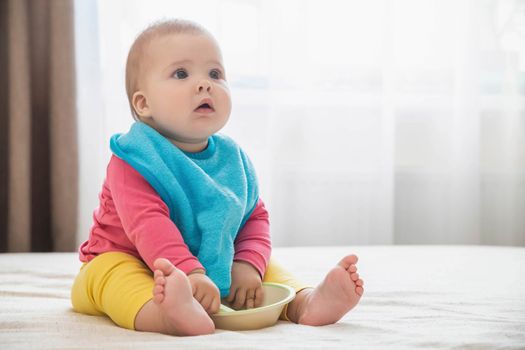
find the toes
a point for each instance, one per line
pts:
(158, 298)
(158, 294)
(354, 276)
(164, 265)
(347, 261)
(160, 280)
(359, 290)
(352, 268)
(158, 289)
(359, 282)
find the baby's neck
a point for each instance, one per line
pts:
(191, 147)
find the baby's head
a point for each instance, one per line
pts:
(174, 69)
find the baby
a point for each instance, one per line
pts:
(180, 224)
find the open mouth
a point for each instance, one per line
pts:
(204, 108)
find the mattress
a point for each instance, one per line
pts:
(420, 297)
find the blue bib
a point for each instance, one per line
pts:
(210, 194)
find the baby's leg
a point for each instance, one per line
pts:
(173, 309)
(121, 286)
(114, 284)
(327, 303)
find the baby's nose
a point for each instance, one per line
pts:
(204, 84)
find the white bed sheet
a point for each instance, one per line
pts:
(421, 297)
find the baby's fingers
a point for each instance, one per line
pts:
(199, 295)
(240, 299)
(231, 296)
(206, 303)
(259, 296)
(250, 298)
(215, 305)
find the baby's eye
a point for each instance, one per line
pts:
(180, 74)
(215, 74)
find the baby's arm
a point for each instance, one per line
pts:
(146, 221)
(252, 253)
(145, 218)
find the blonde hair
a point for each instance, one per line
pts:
(134, 66)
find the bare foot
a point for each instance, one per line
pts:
(337, 294)
(181, 312)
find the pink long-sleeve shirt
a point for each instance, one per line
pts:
(132, 218)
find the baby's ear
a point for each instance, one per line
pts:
(140, 104)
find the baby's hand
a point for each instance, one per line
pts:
(205, 291)
(246, 288)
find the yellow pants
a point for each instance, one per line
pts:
(118, 285)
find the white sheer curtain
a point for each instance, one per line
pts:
(369, 122)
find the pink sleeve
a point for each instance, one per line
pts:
(253, 244)
(145, 218)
